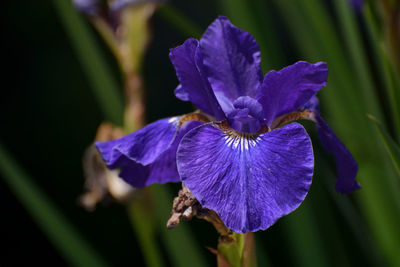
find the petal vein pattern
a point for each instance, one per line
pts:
(194, 86)
(290, 88)
(142, 146)
(250, 181)
(232, 59)
(148, 155)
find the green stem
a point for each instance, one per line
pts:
(143, 224)
(237, 250)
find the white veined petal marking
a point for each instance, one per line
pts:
(242, 141)
(174, 120)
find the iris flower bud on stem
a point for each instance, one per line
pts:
(234, 249)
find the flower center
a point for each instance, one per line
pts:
(247, 115)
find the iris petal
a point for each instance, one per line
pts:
(313, 104)
(148, 155)
(247, 115)
(250, 181)
(347, 167)
(194, 85)
(144, 145)
(290, 88)
(232, 59)
(181, 94)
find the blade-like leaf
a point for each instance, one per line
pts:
(179, 21)
(390, 81)
(351, 32)
(75, 250)
(143, 224)
(103, 83)
(390, 145)
(345, 104)
(255, 17)
(304, 241)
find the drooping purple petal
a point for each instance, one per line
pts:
(232, 59)
(291, 88)
(194, 86)
(162, 170)
(347, 167)
(249, 181)
(247, 115)
(148, 155)
(143, 146)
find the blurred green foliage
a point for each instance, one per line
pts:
(329, 229)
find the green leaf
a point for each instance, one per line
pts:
(354, 222)
(394, 91)
(392, 148)
(104, 85)
(255, 17)
(179, 21)
(357, 54)
(306, 244)
(391, 81)
(143, 224)
(75, 250)
(345, 103)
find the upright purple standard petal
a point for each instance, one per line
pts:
(232, 59)
(148, 155)
(250, 181)
(194, 86)
(291, 88)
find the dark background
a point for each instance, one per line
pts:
(48, 117)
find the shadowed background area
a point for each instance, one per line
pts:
(49, 116)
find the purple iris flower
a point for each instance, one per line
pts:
(239, 155)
